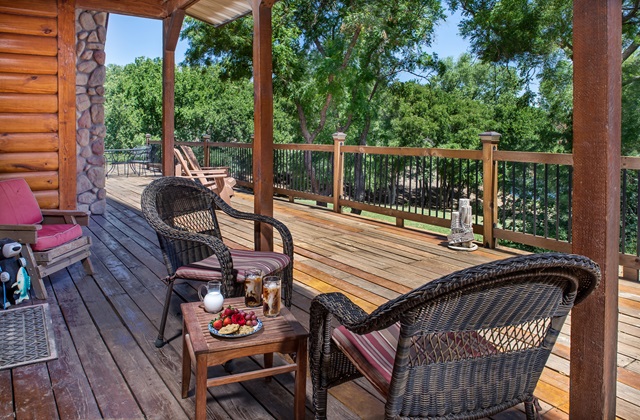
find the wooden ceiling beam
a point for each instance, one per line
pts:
(173, 5)
(153, 9)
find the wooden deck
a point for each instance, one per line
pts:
(106, 324)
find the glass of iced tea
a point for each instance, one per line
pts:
(253, 288)
(271, 296)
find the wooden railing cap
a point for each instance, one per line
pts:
(339, 136)
(490, 136)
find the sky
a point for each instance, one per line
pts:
(129, 37)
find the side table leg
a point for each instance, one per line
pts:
(186, 365)
(300, 393)
(268, 362)
(201, 387)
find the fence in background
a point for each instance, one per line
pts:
(518, 197)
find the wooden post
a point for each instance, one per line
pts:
(171, 26)
(147, 138)
(490, 140)
(338, 170)
(597, 29)
(67, 165)
(207, 159)
(263, 123)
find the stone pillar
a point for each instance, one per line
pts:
(91, 34)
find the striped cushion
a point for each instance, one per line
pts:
(374, 353)
(243, 260)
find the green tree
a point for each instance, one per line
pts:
(536, 37)
(204, 104)
(463, 99)
(331, 58)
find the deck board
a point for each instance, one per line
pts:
(106, 324)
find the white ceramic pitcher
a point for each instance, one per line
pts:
(213, 299)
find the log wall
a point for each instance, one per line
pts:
(30, 99)
(51, 101)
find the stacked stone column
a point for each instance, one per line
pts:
(91, 34)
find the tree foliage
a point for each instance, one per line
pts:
(536, 37)
(204, 104)
(463, 99)
(331, 58)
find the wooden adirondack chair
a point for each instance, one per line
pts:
(213, 179)
(51, 239)
(192, 160)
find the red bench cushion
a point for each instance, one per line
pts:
(243, 260)
(19, 205)
(374, 353)
(51, 236)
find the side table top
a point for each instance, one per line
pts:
(196, 322)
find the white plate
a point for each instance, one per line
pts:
(215, 332)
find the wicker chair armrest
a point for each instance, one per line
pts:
(347, 313)
(283, 230)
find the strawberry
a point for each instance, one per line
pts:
(238, 319)
(227, 320)
(217, 324)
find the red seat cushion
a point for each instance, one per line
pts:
(51, 236)
(19, 205)
(243, 260)
(374, 353)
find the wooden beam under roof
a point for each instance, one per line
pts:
(153, 9)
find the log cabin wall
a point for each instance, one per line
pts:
(29, 97)
(38, 114)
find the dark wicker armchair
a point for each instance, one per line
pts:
(183, 213)
(465, 346)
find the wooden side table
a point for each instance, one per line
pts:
(282, 334)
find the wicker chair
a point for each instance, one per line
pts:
(183, 214)
(465, 346)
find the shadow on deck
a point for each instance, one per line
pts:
(106, 324)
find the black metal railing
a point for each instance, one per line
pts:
(426, 185)
(532, 191)
(535, 199)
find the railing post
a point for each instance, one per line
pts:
(207, 158)
(490, 141)
(148, 138)
(338, 169)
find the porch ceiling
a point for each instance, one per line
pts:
(219, 12)
(214, 12)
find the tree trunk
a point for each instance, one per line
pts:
(358, 167)
(308, 165)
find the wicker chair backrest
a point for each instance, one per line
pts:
(477, 340)
(181, 204)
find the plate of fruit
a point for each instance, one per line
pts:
(235, 323)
